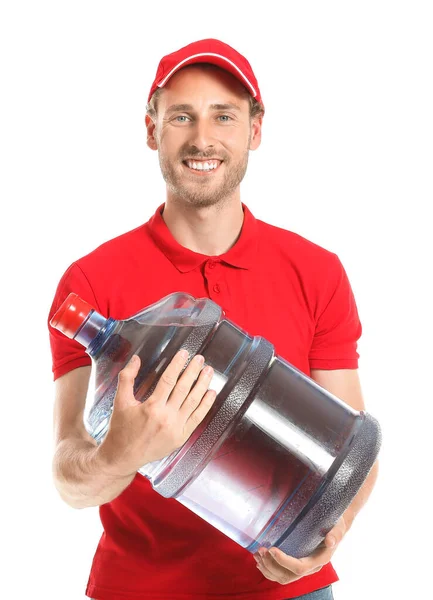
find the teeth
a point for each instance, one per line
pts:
(202, 166)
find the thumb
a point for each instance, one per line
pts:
(125, 385)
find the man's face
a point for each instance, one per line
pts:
(203, 133)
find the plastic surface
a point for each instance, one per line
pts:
(275, 462)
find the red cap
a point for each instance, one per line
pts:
(71, 315)
(207, 51)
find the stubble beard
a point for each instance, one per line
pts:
(201, 193)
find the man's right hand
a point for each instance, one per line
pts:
(140, 433)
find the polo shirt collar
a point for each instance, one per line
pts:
(241, 255)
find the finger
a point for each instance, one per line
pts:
(186, 381)
(200, 412)
(265, 572)
(125, 384)
(262, 568)
(301, 566)
(191, 402)
(330, 541)
(169, 377)
(280, 573)
(336, 534)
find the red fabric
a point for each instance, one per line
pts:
(207, 51)
(272, 283)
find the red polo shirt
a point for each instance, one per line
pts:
(272, 283)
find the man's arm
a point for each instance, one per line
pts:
(80, 474)
(86, 474)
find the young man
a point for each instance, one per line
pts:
(204, 116)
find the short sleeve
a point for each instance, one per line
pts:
(337, 327)
(68, 354)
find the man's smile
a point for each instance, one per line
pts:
(202, 167)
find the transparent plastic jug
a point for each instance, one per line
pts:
(275, 462)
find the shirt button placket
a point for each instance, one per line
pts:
(212, 274)
(216, 284)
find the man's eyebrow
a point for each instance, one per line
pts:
(228, 106)
(179, 108)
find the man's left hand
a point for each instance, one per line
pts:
(277, 566)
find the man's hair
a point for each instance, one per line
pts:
(256, 108)
(152, 105)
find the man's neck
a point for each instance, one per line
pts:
(210, 230)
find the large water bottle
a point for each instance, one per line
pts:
(277, 459)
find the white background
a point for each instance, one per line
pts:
(346, 161)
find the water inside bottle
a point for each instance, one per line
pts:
(250, 484)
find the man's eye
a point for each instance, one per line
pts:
(181, 118)
(224, 118)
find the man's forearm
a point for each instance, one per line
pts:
(81, 476)
(362, 496)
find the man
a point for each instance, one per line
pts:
(204, 116)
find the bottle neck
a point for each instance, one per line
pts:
(90, 328)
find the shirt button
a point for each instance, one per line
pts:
(211, 264)
(216, 288)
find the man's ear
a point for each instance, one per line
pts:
(256, 133)
(151, 140)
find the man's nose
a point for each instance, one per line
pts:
(202, 134)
